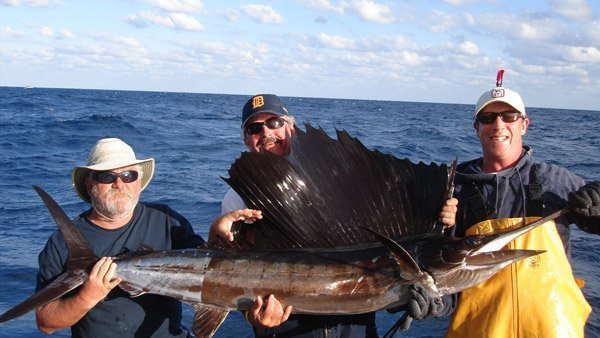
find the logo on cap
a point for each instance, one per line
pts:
(497, 92)
(257, 102)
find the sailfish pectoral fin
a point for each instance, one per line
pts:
(60, 286)
(409, 268)
(207, 320)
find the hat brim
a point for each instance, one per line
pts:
(79, 174)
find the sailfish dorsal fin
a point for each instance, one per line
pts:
(326, 189)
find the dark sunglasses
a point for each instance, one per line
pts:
(272, 123)
(506, 116)
(107, 177)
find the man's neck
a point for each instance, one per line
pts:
(496, 165)
(109, 223)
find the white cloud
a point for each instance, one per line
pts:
(412, 58)
(335, 42)
(534, 69)
(529, 31)
(178, 21)
(27, 3)
(126, 41)
(469, 48)
(11, 33)
(186, 22)
(576, 10)
(324, 5)
(180, 6)
(369, 44)
(47, 31)
(263, 14)
(366, 10)
(443, 22)
(582, 54)
(63, 34)
(460, 2)
(229, 14)
(522, 27)
(371, 11)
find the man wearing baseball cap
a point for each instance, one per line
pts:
(117, 222)
(268, 126)
(506, 188)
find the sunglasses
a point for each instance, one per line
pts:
(506, 116)
(107, 177)
(272, 123)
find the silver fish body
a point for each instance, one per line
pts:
(342, 281)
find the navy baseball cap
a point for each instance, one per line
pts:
(263, 103)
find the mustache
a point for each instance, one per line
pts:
(269, 140)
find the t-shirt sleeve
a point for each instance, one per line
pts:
(51, 261)
(231, 202)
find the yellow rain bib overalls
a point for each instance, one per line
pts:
(535, 297)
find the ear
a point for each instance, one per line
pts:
(476, 126)
(524, 125)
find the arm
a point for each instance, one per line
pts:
(65, 312)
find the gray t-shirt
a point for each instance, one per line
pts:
(119, 315)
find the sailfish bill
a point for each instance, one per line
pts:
(316, 206)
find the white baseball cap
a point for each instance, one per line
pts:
(500, 94)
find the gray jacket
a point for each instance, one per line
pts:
(506, 193)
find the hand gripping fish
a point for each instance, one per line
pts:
(345, 230)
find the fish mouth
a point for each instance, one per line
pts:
(504, 257)
(495, 242)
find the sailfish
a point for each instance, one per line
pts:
(345, 230)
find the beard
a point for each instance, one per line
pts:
(114, 203)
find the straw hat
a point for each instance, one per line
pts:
(109, 154)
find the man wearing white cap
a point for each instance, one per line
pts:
(536, 297)
(117, 222)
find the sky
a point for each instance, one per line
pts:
(446, 51)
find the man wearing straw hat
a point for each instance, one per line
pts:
(116, 222)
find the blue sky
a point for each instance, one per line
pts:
(414, 50)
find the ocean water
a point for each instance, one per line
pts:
(194, 138)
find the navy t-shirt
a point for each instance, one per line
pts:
(118, 315)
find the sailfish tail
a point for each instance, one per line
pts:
(81, 259)
(60, 286)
